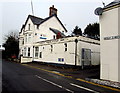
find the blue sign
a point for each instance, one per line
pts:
(43, 38)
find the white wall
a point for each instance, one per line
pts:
(58, 52)
(25, 34)
(69, 55)
(44, 29)
(109, 48)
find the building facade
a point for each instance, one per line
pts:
(110, 41)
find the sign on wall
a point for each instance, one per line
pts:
(111, 37)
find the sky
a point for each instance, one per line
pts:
(71, 13)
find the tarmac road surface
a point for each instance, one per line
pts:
(17, 78)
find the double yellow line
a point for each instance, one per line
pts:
(73, 78)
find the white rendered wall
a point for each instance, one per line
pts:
(23, 36)
(109, 48)
(69, 55)
(58, 52)
(44, 28)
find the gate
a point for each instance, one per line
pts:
(86, 57)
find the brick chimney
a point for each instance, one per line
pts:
(52, 11)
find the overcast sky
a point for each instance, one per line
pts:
(70, 12)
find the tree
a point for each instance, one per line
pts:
(92, 31)
(11, 45)
(77, 31)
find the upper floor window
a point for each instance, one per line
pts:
(54, 36)
(28, 26)
(26, 38)
(29, 37)
(23, 41)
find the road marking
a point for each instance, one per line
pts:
(115, 89)
(55, 72)
(55, 84)
(44, 70)
(84, 88)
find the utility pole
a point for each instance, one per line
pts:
(76, 41)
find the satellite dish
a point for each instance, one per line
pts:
(98, 11)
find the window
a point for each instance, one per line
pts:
(35, 33)
(40, 55)
(26, 38)
(43, 48)
(65, 46)
(51, 48)
(23, 41)
(53, 36)
(28, 26)
(29, 37)
(24, 51)
(29, 34)
(29, 51)
(60, 59)
(36, 51)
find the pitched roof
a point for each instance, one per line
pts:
(35, 20)
(38, 21)
(115, 2)
(57, 31)
(57, 19)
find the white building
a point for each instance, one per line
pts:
(43, 40)
(110, 41)
(37, 29)
(77, 51)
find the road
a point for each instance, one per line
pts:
(21, 78)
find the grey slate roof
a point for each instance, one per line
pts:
(35, 20)
(38, 21)
(115, 2)
(57, 31)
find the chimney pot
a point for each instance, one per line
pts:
(52, 10)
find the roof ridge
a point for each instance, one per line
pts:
(35, 16)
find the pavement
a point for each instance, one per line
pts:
(92, 72)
